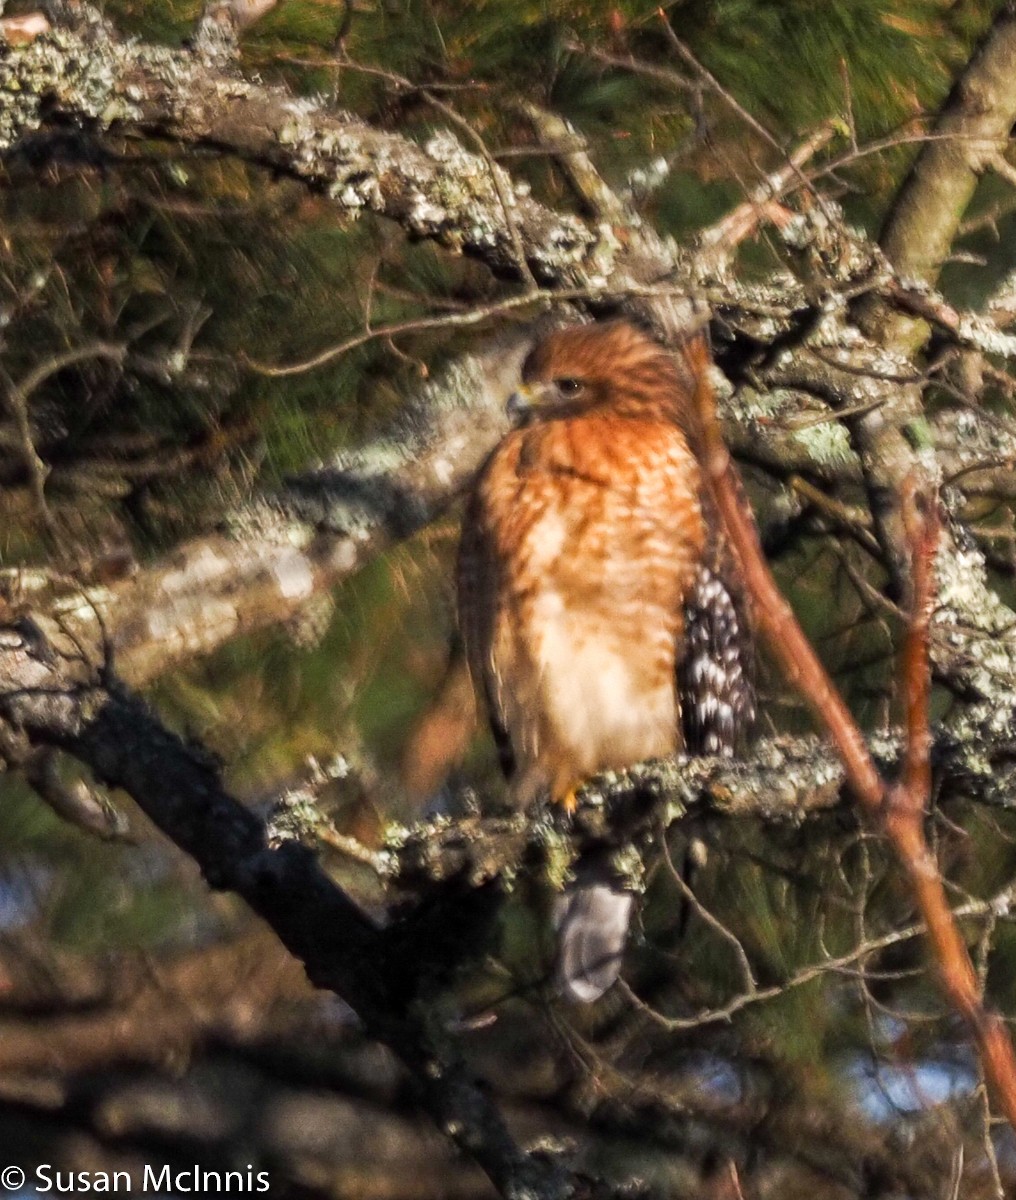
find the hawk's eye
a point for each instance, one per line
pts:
(569, 387)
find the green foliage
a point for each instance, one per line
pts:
(107, 905)
(791, 63)
(165, 21)
(891, 62)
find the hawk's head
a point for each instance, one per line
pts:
(609, 365)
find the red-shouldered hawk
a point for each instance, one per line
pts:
(599, 614)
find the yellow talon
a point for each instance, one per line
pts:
(570, 800)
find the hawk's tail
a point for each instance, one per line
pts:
(592, 917)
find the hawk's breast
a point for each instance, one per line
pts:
(596, 524)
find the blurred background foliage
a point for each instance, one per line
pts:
(203, 267)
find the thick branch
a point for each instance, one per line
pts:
(279, 553)
(438, 190)
(972, 129)
(56, 700)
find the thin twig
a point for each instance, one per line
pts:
(710, 919)
(17, 401)
(496, 178)
(838, 965)
(472, 316)
(845, 516)
(731, 101)
(628, 62)
(920, 516)
(721, 239)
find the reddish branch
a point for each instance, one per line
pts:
(899, 807)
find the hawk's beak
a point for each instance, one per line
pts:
(520, 404)
(523, 403)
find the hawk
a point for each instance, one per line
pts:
(601, 618)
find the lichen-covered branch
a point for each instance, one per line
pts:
(278, 553)
(439, 190)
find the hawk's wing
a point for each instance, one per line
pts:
(714, 674)
(478, 586)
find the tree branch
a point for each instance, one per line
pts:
(55, 697)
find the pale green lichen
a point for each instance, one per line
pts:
(558, 852)
(92, 75)
(84, 76)
(976, 633)
(799, 422)
(843, 252)
(264, 520)
(601, 257)
(629, 866)
(986, 336)
(646, 179)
